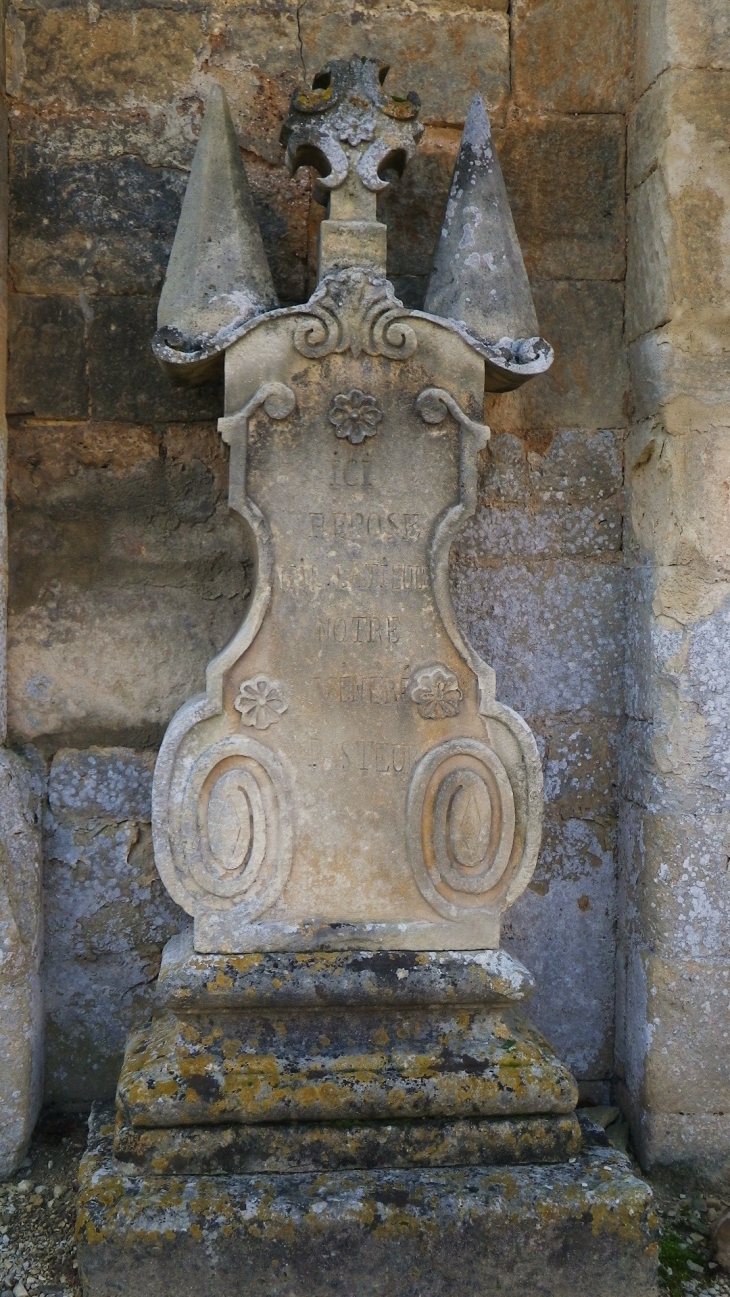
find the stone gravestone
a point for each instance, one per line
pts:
(339, 1091)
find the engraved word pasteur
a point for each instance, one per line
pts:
(355, 415)
(260, 702)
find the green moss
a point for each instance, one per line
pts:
(674, 1253)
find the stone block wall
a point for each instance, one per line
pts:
(674, 966)
(126, 573)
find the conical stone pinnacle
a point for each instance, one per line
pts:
(218, 274)
(479, 275)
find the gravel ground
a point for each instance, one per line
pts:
(38, 1257)
(37, 1209)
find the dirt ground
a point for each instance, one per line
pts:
(37, 1207)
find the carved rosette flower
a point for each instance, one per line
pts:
(355, 415)
(260, 702)
(435, 691)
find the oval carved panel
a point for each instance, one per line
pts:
(461, 825)
(463, 820)
(236, 824)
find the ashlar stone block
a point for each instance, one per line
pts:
(128, 526)
(76, 225)
(565, 179)
(557, 647)
(688, 1007)
(588, 384)
(46, 357)
(107, 916)
(430, 44)
(668, 35)
(131, 58)
(587, 73)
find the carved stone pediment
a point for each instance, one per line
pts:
(355, 311)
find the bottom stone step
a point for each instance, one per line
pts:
(582, 1227)
(333, 1146)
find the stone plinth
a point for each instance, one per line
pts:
(584, 1226)
(296, 1061)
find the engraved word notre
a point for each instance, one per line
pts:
(260, 702)
(358, 630)
(435, 691)
(355, 415)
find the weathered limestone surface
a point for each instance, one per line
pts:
(590, 73)
(21, 915)
(21, 947)
(305, 862)
(674, 1000)
(115, 527)
(582, 1227)
(107, 916)
(241, 1069)
(287, 1147)
(103, 130)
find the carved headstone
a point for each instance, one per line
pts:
(339, 1090)
(349, 778)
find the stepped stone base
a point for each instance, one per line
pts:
(585, 1226)
(332, 1145)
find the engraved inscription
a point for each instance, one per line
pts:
(378, 525)
(260, 702)
(381, 691)
(358, 630)
(351, 469)
(362, 757)
(355, 415)
(435, 691)
(360, 576)
(378, 758)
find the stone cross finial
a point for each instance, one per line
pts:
(351, 131)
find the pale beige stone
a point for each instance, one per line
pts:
(357, 683)
(678, 257)
(679, 491)
(348, 778)
(688, 1010)
(21, 943)
(686, 1145)
(650, 290)
(672, 34)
